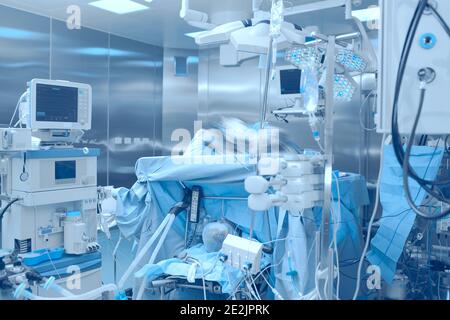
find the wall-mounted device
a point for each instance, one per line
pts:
(429, 48)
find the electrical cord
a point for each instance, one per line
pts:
(440, 19)
(447, 147)
(372, 221)
(17, 107)
(335, 220)
(406, 165)
(361, 122)
(7, 207)
(2, 213)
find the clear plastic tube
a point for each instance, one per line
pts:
(60, 290)
(144, 251)
(155, 253)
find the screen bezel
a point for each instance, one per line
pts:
(37, 125)
(284, 68)
(70, 179)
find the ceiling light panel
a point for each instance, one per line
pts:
(119, 6)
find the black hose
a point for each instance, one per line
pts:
(406, 165)
(440, 19)
(3, 213)
(396, 138)
(6, 208)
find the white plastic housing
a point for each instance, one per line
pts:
(256, 185)
(75, 237)
(84, 106)
(303, 184)
(241, 252)
(396, 17)
(260, 202)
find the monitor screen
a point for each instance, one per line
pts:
(65, 170)
(290, 81)
(56, 103)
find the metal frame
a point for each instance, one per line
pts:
(320, 5)
(326, 257)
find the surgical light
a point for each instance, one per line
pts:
(344, 89)
(119, 6)
(351, 61)
(304, 57)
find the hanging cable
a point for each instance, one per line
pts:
(372, 220)
(17, 107)
(440, 19)
(2, 213)
(7, 207)
(406, 165)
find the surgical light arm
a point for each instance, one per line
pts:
(195, 18)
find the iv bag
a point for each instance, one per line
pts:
(277, 18)
(310, 89)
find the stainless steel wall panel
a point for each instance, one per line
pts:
(24, 55)
(82, 56)
(180, 96)
(134, 107)
(158, 101)
(229, 91)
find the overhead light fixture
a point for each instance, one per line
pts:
(352, 61)
(304, 57)
(344, 88)
(369, 14)
(119, 6)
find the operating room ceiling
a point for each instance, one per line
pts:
(159, 25)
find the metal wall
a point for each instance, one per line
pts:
(180, 96)
(24, 55)
(126, 77)
(135, 106)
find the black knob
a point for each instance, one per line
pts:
(427, 75)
